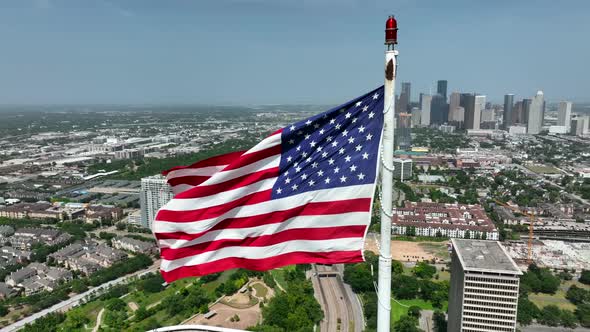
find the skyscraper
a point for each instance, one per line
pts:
(456, 111)
(473, 105)
(580, 125)
(402, 103)
(416, 117)
(441, 88)
(526, 107)
(403, 132)
(484, 287)
(536, 114)
(439, 113)
(425, 110)
(407, 90)
(508, 110)
(454, 103)
(564, 114)
(155, 192)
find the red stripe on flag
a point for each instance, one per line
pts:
(224, 159)
(247, 159)
(325, 233)
(212, 211)
(192, 180)
(242, 181)
(309, 209)
(332, 257)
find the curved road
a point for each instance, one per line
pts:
(76, 299)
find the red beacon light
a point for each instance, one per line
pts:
(391, 31)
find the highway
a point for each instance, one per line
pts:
(76, 299)
(342, 308)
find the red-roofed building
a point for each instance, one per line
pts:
(444, 220)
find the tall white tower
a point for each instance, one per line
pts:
(155, 192)
(536, 114)
(425, 110)
(564, 114)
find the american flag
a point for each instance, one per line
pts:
(302, 195)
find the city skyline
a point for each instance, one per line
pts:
(127, 52)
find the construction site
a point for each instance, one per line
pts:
(552, 254)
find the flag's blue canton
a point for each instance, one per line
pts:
(334, 149)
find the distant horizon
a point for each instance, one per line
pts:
(259, 52)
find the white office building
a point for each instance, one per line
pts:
(564, 114)
(484, 287)
(425, 110)
(402, 168)
(536, 114)
(580, 126)
(155, 192)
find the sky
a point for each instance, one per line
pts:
(286, 51)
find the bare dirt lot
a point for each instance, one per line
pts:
(248, 317)
(407, 251)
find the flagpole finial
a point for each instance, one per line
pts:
(390, 32)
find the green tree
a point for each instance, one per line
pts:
(141, 313)
(582, 312)
(359, 277)
(3, 310)
(79, 286)
(550, 315)
(527, 310)
(405, 287)
(585, 277)
(568, 319)
(75, 320)
(577, 295)
(424, 270)
(116, 304)
(397, 267)
(440, 321)
(293, 310)
(414, 311)
(406, 324)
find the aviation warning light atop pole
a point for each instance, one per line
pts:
(384, 292)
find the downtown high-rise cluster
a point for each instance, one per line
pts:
(470, 111)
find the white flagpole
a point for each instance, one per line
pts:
(384, 291)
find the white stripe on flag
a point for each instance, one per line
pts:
(201, 171)
(324, 195)
(189, 204)
(343, 244)
(309, 222)
(266, 143)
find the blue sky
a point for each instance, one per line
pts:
(286, 51)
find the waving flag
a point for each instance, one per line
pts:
(302, 195)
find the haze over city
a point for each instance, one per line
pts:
(262, 51)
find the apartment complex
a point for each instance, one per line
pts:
(440, 219)
(484, 287)
(155, 192)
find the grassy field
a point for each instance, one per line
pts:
(400, 307)
(438, 249)
(261, 291)
(279, 275)
(444, 275)
(558, 299)
(542, 169)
